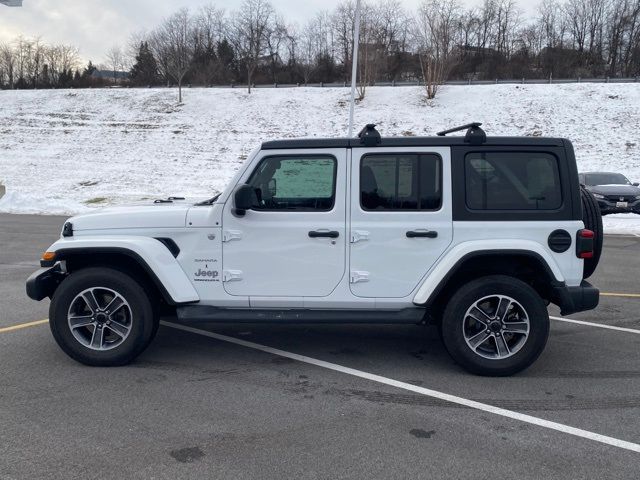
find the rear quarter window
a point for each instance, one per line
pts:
(512, 181)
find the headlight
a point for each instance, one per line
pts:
(598, 196)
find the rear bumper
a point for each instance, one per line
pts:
(43, 282)
(576, 299)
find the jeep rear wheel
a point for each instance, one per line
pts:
(101, 317)
(495, 326)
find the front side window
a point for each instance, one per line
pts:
(296, 183)
(512, 181)
(401, 182)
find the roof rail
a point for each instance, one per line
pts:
(475, 135)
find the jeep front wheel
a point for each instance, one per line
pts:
(101, 317)
(495, 326)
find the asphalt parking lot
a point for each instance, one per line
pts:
(196, 406)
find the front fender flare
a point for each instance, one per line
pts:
(149, 253)
(463, 250)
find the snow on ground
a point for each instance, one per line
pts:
(66, 151)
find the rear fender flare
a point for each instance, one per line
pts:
(462, 251)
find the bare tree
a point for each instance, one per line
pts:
(116, 61)
(69, 57)
(368, 50)
(316, 47)
(392, 31)
(60, 60)
(508, 21)
(575, 11)
(174, 45)
(548, 18)
(275, 38)
(7, 64)
(343, 22)
(308, 51)
(566, 38)
(436, 36)
(249, 29)
(132, 47)
(210, 24)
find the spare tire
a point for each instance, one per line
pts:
(592, 219)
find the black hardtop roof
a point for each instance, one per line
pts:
(310, 143)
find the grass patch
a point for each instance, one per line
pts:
(96, 200)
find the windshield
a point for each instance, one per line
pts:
(606, 179)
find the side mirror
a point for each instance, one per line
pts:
(636, 184)
(245, 198)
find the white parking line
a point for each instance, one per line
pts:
(599, 325)
(596, 437)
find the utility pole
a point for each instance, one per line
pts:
(354, 69)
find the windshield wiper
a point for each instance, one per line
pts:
(211, 201)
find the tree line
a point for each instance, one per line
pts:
(440, 40)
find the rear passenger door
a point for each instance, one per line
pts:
(400, 217)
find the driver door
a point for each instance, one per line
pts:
(291, 243)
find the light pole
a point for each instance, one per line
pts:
(354, 68)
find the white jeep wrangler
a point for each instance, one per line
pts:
(473, 233)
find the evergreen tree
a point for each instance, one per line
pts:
(64, 79)
(88, 70)
(226, 57)
(44, 77)
(77, 79)
(145, 70)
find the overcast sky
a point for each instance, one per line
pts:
(96, 25)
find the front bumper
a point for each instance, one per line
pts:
(576, 299)
(609, 206)
(43, 282)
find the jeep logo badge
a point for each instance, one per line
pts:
(207, 273)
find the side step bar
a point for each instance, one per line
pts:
(202, 313)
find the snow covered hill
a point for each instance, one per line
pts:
(65, 151)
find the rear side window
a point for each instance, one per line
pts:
(401, 182)
(305, 183)
(512, 181)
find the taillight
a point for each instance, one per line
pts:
(584, 243)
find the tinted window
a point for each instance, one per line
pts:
(295, 183)
(401, 182)
(512, 181)
(606, 179)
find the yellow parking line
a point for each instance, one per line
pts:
(20, 326)
(628, 295)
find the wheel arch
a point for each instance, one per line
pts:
(526, 265)
(121, 259)
(147, 259)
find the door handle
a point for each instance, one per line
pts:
(323, 234)
(422, 234)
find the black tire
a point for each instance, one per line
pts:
(592, 219)
(529, 347)
(140, 319)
